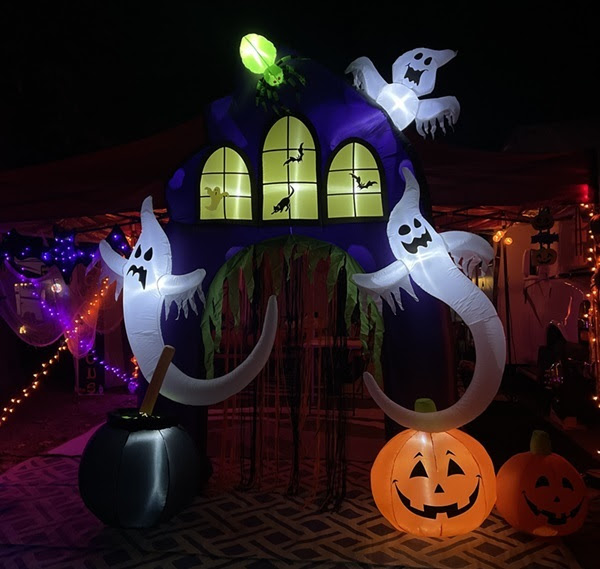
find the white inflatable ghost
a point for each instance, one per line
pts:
(435, 263)
(147, 285)
(414, 74)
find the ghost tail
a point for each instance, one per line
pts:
(479, 314)
(189, 390)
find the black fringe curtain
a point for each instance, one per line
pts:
(296, 409)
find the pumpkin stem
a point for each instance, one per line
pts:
(425, 405)
(540, 443)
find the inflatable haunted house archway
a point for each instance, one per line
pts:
(291, 196)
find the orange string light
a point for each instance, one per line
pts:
(70, 335)
(27, 391)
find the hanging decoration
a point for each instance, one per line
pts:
(413, 76)
(148, 285)
(41, 310)
(540, 492)
(435, 484)
(543, 222)
(55, 290)
(259, 55)
(295, 411)
(439, 265)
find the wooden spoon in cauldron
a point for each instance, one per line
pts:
(147, 406)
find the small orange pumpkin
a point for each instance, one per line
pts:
(433, 484)
(540, 492)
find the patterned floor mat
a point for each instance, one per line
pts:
(46, 525)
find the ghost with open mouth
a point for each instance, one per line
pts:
(148, 284)
(440, 265)
(414, 74)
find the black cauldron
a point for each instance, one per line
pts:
(137, 470)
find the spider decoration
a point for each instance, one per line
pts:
(259, 55)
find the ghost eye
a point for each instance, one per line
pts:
(453, 468)
(427, 61)
(567, 483)
(418, 470)
(418, 56)
(403, 230)
(138, 252)
(542, 481)
(148, 254)
(416, 222)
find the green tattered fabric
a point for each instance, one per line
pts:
(273, 259)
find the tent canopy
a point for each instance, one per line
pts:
(469, 188)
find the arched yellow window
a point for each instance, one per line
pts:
(225, 189)
(289, 163)
(354, 183)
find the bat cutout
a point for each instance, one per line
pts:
(284, 203)
(360, 184)
(296, 158)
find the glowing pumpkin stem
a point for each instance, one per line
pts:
(540, 443)
(425, 405)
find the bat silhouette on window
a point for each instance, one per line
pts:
(362, 185)
(296, 158)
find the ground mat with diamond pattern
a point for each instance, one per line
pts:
(44, 524)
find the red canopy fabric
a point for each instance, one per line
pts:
(116, 180)
(108, 181)
(464, 177)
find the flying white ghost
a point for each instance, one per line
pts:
(413, 74)
(439, 264)
(148, 284)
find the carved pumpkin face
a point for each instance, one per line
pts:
(541, 493)
(434, 484)
(543, 256)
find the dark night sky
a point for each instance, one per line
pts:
(80, 76)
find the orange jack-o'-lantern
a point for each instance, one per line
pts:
(540, 492)
(433, 484)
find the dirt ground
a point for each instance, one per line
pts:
(52, 416)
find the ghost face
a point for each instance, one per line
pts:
(417, 69)
(411, 236)
(151, 257)
(416, 239)
(139, 271)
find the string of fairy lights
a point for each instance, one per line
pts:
(592, 316)
(11, 406)
(74, 339)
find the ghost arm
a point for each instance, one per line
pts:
(181, 289)
(366, 77)
(435, 112)
(469, 251)
(113, 265)
(386, 283)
